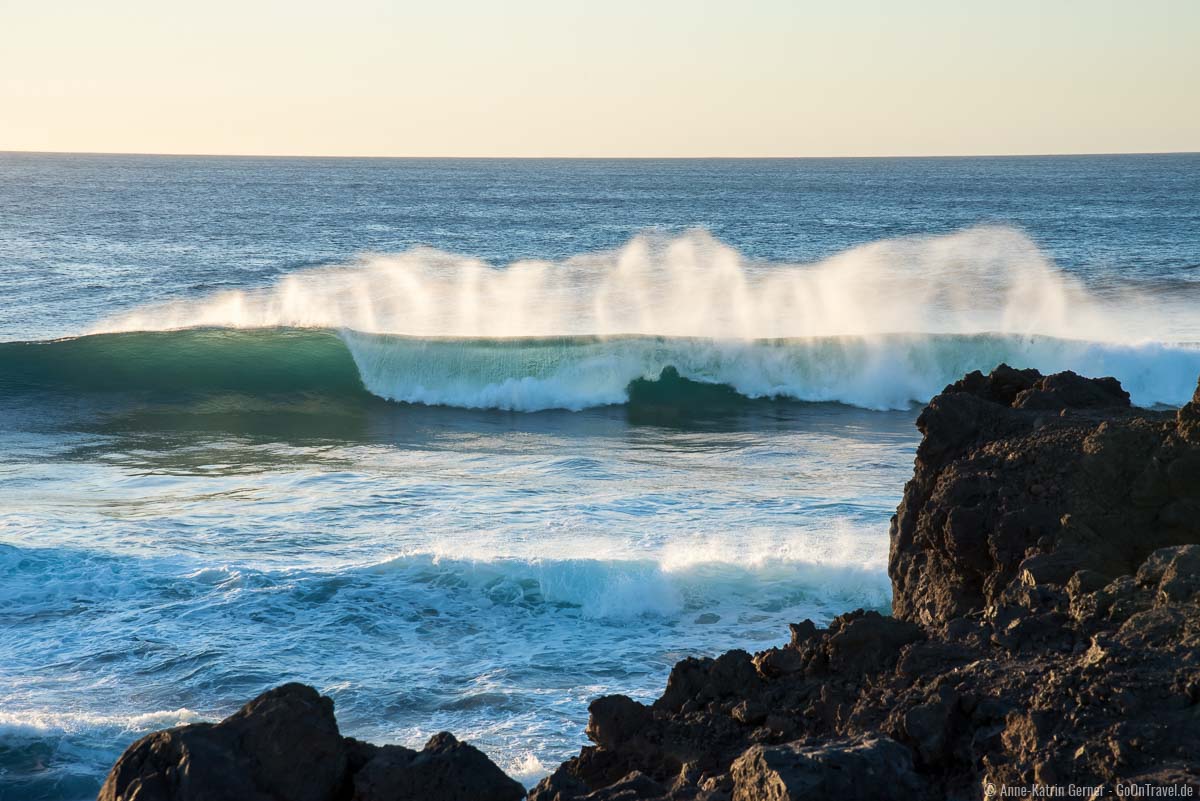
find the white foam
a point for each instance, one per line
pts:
(875, 372)
(526, 768)
(984, 279)
(41, 723)
(839, 567)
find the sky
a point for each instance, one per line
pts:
(661, 78)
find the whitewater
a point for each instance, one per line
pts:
(467, 444)
(882, 326)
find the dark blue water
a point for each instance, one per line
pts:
(467, 443)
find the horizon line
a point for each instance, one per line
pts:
(1062, 154)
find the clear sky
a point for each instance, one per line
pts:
(600, 78)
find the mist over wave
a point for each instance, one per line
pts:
(983, 279)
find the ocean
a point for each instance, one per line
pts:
(467, 443)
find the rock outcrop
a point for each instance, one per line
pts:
(1023, 474)
(1046, 628)
(285, 746)
(1045, 563)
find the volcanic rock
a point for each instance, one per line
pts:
(285, 746)
(1046, 629)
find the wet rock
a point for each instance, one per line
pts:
(1001, 386)
(616, 719)
(802, 633)
(779, 662)
(562, 785)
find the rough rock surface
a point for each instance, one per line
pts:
(1023, 474)
(285, 746)
(1046, 584)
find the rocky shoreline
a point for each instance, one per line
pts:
(1046, 598)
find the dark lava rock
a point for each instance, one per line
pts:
(870, 770)
(445, 769)
(1046, 577)
(1042, 476)
(285, 746)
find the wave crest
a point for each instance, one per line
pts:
(675, 321)
(985, 279)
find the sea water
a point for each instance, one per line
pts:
(467, 443)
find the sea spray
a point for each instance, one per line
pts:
(881, 326)
(980, 280)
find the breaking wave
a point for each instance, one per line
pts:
(662, 321)
(889, 371)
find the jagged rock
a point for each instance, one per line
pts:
(285, 746)
(870, 770)
(704, 680)
(615, 719)
(1189, 420)
(1175, 572)
(634, 787)
(1070, 391)
(1002, 490)
(445, 769)
(1047, 627)
(867, 641)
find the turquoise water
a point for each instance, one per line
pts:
(465, 444)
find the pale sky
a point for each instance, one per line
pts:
(601, 78)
